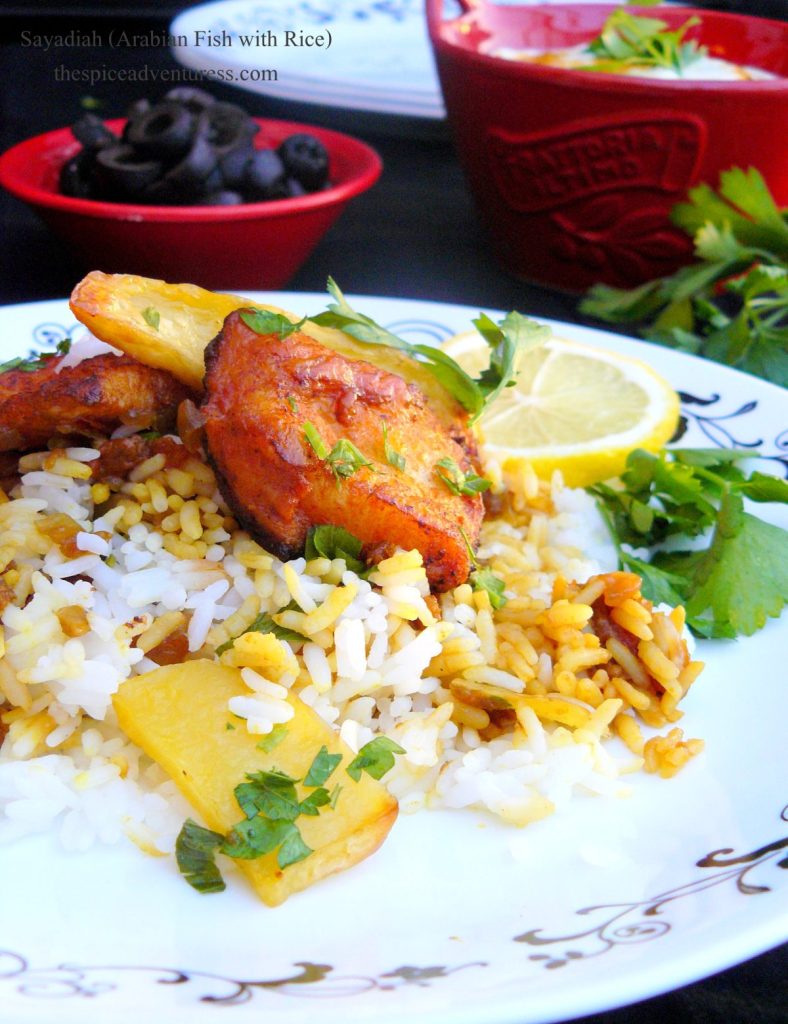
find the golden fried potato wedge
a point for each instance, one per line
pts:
(178, 714)
(170, 325)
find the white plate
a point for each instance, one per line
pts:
(379, 59)
(457, 918)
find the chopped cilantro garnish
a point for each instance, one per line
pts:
(273, 739)
(732, 305)
(264, 321)
(394, 458)
(508, 340)
(375, 758)
(321, 768)
(344, 459)
(317, 798)
(152, 317)
(332, 542)
(195, 849)
(468, 484)
(292, 403)
(485, 579)
(740, 578)
(265, 624)
(629, 40)
(229, 727)
(334, 796)
(270, 793)
(36, 360)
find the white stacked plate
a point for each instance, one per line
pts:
(379, 58)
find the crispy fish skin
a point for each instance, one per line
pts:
(259, 392)
(89, 399)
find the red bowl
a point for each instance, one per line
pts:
(250, 246)
(575, 172)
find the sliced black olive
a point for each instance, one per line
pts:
(164, 131)
(294, 188)
(233, 165)
(225, 197)
(195, 100)
(122, 169)
(265, 176)
(188, 176)
(306, 159)
(92, 132)
(77, 176)
(228, 126)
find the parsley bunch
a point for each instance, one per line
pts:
(739, 578)
(732, 305)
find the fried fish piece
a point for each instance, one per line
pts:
(89, 399)
(261, 391)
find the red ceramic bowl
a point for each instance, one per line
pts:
(575, 172)
(255, 245)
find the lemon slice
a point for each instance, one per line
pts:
(574, 408)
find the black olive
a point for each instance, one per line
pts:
(294, 188)
(164, 131)
(225, 197)
(233, 165)
(306, 159)
(195, 100)
(123, 170)
(92, 132)
(77, 176)
(188, 176)
(265, 176)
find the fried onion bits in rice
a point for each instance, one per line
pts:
(300, 436)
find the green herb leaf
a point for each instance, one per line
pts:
(315, 440)
(321, 768)
(273, 739)
(270, 793)
(293, 849)
(468, 484)
(334, 796)
(345, 459)
(264, 321)
(631, 41)
(472, 395)
(195, 851)
(508, 341)
(317, 798)
(392, 457)
(292, 403)
(256, 837)
(263, 623)
(485, 579)
(152, 317)
(36, 360)
(332, 542)
(375, 758)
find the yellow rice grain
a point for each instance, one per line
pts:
(634, 697)
(493, 676)
(485, 630)
(591, 591)
(582, 658)
(627, 660)
(54, 463)
(330, 610)
(180, 481)
(14, 691)
(190, 521)
(147, 468)
(158, 496)
(175, 502)
(663, 670)
(628, 730)
(162, 627)
(446, 666)
(99, 493)
(177, 547)
(588, 691)
(475, 718)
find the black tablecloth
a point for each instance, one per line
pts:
(415, 235)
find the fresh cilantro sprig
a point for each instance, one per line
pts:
(152, 317)
(36, 360)
(468, 484)
(628, 40)
(740, 578)
(344, 459)
(508, 340)
(485, 579)
(730, 306)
